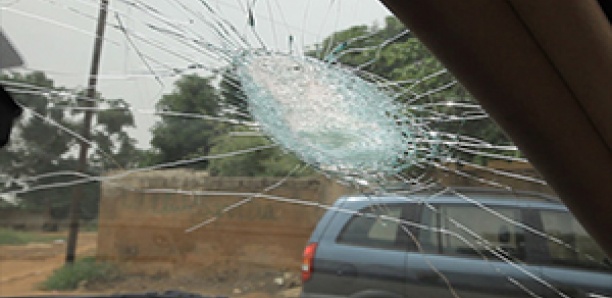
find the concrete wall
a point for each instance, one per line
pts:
(518, 175)
(151, 227)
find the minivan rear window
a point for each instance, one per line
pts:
(471, 231)
(568, 243)
(373, 227)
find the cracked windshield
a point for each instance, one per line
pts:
(262, 149)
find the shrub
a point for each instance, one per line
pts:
(87, 269)
(12, 237)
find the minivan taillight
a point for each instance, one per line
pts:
(309, 254)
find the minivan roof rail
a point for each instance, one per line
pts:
(475, 190)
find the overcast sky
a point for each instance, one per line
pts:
(56, 36)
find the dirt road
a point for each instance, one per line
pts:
(23, 267)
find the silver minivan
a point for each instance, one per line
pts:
(462, 243)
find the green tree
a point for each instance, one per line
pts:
(109, 135)
(233, 99)
(37, 147)
(40, 147)
(394, 54)
(390, 52)
(265, 162)
(178, 137)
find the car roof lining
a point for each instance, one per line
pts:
(606, 7)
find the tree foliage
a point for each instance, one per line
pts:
(392, 53)
(41, 144)
(266, 161)
(178, 137)
(233, 100)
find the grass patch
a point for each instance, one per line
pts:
(91, 226)
(12, 237)
(87, 270)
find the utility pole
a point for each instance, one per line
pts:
(75, 206)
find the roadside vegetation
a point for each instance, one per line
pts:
(12, 237)
(82, 272)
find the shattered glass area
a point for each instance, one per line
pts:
(329, 117)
